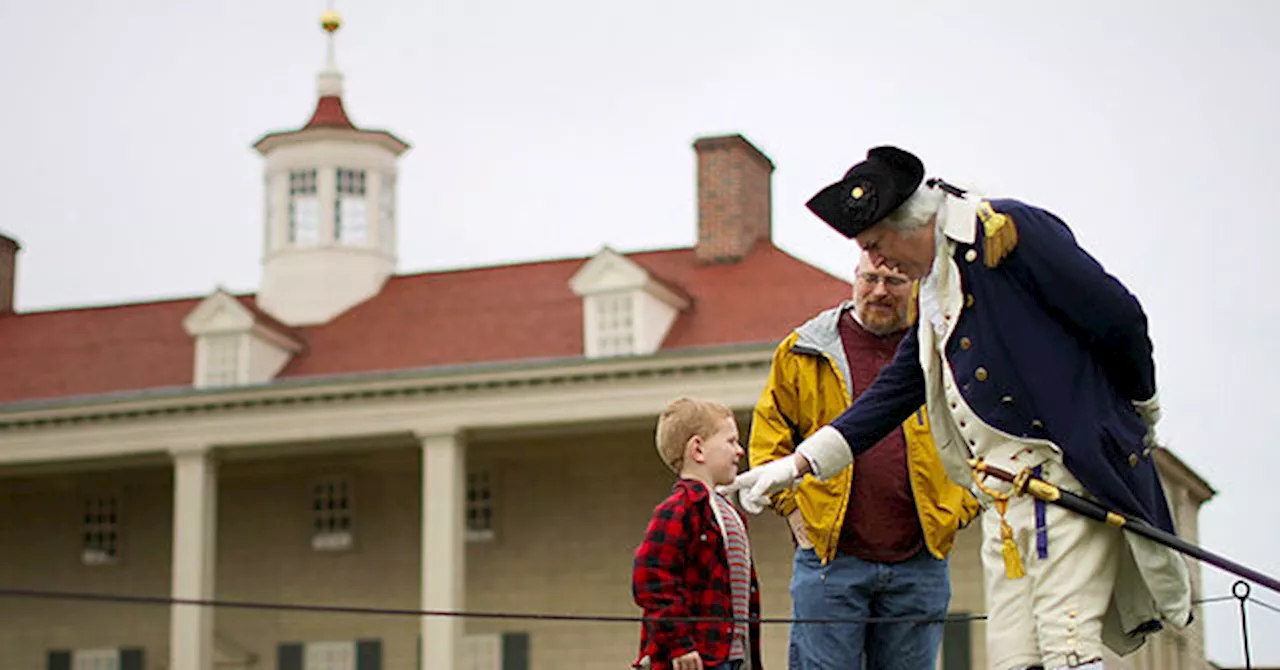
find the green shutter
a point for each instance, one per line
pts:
(368, 655)
(289, 657)
(59, 660)
(515, 651)
(132, 658)
(956, 644)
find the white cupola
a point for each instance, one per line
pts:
(330, 217)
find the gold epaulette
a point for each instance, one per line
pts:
(1001, 234)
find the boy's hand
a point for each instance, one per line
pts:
(690, 661)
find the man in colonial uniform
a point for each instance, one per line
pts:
(1032, 358)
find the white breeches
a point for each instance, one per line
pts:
(1053, 615)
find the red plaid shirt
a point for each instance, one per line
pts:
(682, 570)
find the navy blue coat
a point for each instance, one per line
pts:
(1060, 349)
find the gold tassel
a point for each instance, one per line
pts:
(1008, 549)
(1000, 232)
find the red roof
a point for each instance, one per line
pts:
(329, 114)
(491, 314)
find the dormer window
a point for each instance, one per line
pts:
(351, 211)
(234, 344)
(626, 310)
(304, 208)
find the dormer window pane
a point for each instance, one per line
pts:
(351, 217)
(304, 208)
(222, 360)
(614, 325)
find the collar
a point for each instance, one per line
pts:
(957, 218)
(695, 488)
(850, 307)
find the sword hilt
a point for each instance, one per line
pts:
(1023, 481)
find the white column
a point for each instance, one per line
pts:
(195, 500)
(443, 545)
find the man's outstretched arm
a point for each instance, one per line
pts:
(897, 392)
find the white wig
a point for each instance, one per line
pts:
(918, 209)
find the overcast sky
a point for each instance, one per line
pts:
(1150, 127)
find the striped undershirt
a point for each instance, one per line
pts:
(739, 572)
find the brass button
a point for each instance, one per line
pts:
(1133, 460)
(1037, 423)
(971, 255)
(1147, 452)
(965, 343)
(968, 300)
(980, 374)
(1008, 400)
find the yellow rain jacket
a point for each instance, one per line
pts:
(807, 389)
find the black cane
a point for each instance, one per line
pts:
(1024, 482)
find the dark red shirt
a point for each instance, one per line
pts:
(881, 524)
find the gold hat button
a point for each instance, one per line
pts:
(971, 255)
(980, 374)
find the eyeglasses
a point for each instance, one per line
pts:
(889, 282)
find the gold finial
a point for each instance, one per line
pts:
(330, 21)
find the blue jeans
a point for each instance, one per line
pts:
(851, 588)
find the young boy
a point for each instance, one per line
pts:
(695, 560)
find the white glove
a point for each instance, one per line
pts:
(1149, 410)
(756, 485)
(827, 452)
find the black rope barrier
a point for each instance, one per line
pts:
(44, 594)
(1264, 605)
(391, 611)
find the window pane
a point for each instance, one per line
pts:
(332, 511)
(222, 359)
(350, 182)
(614, 325)
(304, 227)
(353, 221)
(386, 210)
(99, 531)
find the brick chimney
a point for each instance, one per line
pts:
(8, 273)
(734, 200)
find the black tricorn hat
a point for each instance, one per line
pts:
(869, 191)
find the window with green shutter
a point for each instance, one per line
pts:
(124, 658)
(500, 651)
(365, 654)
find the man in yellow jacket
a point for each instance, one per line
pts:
(873, 541)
